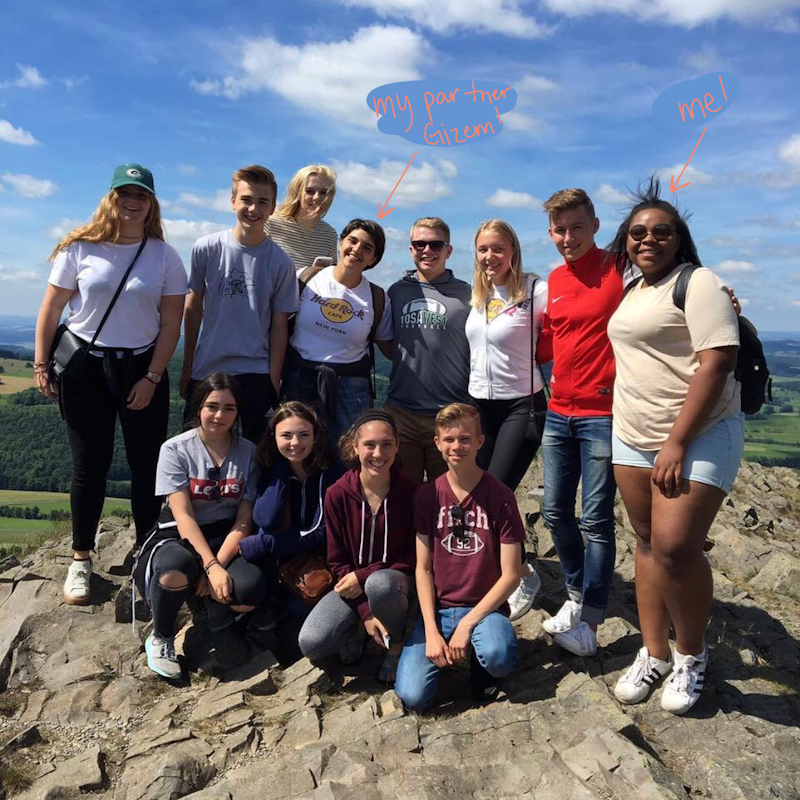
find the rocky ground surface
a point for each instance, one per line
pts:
(80, 714)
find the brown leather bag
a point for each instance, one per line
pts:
(308, 577)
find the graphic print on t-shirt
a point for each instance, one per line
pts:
(236, 285)
(423, 312)
(493, 308)
(204, 489)
(470, 543)
(336, 309)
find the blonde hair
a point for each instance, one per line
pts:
(432, 223)
(290, 204)
(566, 200)
(105, 224)
(455, 412)
(481, 285)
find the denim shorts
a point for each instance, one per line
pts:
(712, 458)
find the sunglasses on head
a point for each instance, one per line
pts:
(420, 244)
(457, 515)
(660, 232)
(213, 475)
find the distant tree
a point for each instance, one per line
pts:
(787, 408)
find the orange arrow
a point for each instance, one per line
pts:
(672, 187)
(387, 211)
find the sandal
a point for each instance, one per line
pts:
(388, 670)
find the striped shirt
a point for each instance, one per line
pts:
(302, 245)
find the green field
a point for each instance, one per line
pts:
(52, 501)
(15, 531)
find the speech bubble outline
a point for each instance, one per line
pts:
(442, 112)
(697, 101)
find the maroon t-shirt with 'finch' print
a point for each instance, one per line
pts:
(466, 567)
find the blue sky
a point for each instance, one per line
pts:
(194, 91)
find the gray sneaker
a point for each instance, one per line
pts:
(161, 657)
(76, 586)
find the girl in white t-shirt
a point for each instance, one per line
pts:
(329, 361)
(124, 373)
(505, 382)
(677, 443)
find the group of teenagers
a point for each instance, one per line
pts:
(415, 509)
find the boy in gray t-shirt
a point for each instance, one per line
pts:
(242, 289)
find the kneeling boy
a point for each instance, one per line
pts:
(469, 559)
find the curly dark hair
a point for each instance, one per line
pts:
(649, 196)
(321, 456)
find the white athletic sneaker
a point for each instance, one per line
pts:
(76, 586)
(580, 640)
(683, 687)
(522, 597)
(568, 616)
(636, 683)
(161, 657)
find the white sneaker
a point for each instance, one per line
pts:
(683, 687)
(568, 616)
(522, 597)
(76, 586)
(161, 657)
(580, 640)
(635, 684)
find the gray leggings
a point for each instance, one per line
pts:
(332, 620)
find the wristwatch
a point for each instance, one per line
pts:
(153, 377)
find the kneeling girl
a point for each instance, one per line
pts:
(370, 534)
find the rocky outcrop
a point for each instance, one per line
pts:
(80, 714)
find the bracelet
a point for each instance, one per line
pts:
(210, 564)
(37, 364)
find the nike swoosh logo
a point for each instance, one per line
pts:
(556, 299)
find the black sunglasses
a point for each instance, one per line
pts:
(213, 475)
(457, 515)
(420, 244)
(660, 232)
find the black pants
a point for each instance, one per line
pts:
(510, 443)
(90, 407)
(249, 582)
(258, 399)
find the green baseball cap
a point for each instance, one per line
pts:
(133, 175)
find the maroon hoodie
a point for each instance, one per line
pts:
(362, 542)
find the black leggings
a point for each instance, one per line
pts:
(249, 582)
(90, 409)
(510, 443)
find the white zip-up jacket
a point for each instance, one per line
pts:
(499, 335)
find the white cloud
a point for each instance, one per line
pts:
(29, 78)
(518, 121)
(678, 12)
(704, 59)
(221, 201)
(333, 79)
(789, 151)
(182, 234)
(58, 230)
(504, 198)
(445, 16)
(735, 267)
(695, 177)
(422, 182)
(22, 275)
(528, 84)
(71, 83)
(605, 193)
(12, 135)
(187, 169)
(28, 186)
(394, 234)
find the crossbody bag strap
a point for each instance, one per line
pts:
(534, 362)
(117, 294)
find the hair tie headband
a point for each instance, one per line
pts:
(374, 415)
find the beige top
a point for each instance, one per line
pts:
(656, 345)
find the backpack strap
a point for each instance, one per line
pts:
(307, 274)
(378, 306)
(682, 285)
(629, 286)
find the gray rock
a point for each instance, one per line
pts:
(173, 773)
(781, 574)
(82, 773)
(28, 598)
(26, 738)
(302, 729)
(34, 706)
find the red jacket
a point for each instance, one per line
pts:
(362, 542)
(581, 298)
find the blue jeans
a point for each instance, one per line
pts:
(353, 395)
(493, 639)
(579, 449)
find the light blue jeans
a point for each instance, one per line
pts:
(493, 639)
(579, 449)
